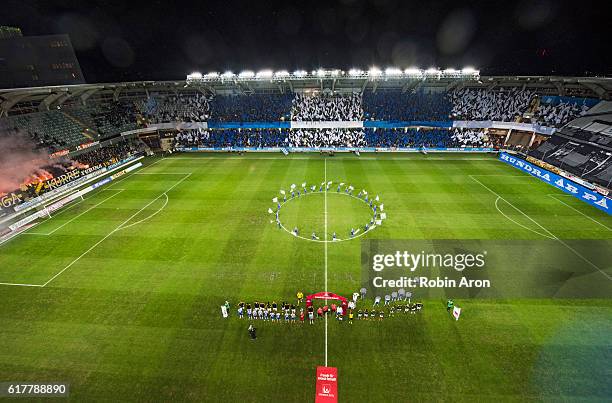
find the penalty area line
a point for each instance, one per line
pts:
(23, 285)
(553, 235)
(118, 228)
(75, 217)
(555, 196)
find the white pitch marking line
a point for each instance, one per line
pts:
(74, 218)
(113, 231)
(149, 217)
(557, 239)
(23, 285)
(505, 175)
(162, 173)
(325, 243)
(517, 223)
(360, 234)
(514, 207)
(554, 196)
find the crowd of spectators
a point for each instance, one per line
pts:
(327, 138)
(254, 107)
(408, 137)
(176, 108)
(113, 117)
(256, 138)
(27, 185)
(107, 155)
(479, 104)
(326, 108)
(316, 138)
(71, 126)
(397, 105)
(559, 114)
(469, 138)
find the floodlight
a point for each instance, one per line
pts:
(321, 73)
(413, 71)
(194, 75)
(374, 71)
(246, 74)
(355, 72)
(264, 74)
(299, 73)
(393, 71)
(212, 74)
(282, 73)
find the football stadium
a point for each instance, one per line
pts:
(329, 234)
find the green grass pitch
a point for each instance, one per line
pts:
(134, 276)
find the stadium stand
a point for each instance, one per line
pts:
(478, 104)
(77, 124)
(313, 138)
(174, 108)
(326, 108)
(51, 130)
(469, 138)
(254, 107)
(556, 111)
(233, 137)
(581, 144)
(35, 183)
(583, 147)
(327, 138)
(410, 137)
(397, 105)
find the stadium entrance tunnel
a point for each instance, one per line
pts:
(343, 214)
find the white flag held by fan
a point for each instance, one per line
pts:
(456, 312)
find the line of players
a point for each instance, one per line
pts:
(289, 312)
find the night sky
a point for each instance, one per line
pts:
(165, 40)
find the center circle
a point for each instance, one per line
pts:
(344, 213)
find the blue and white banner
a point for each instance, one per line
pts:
(398, 124)
(572, 188)
(382, 124)
(491, 124)
(326, 124)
